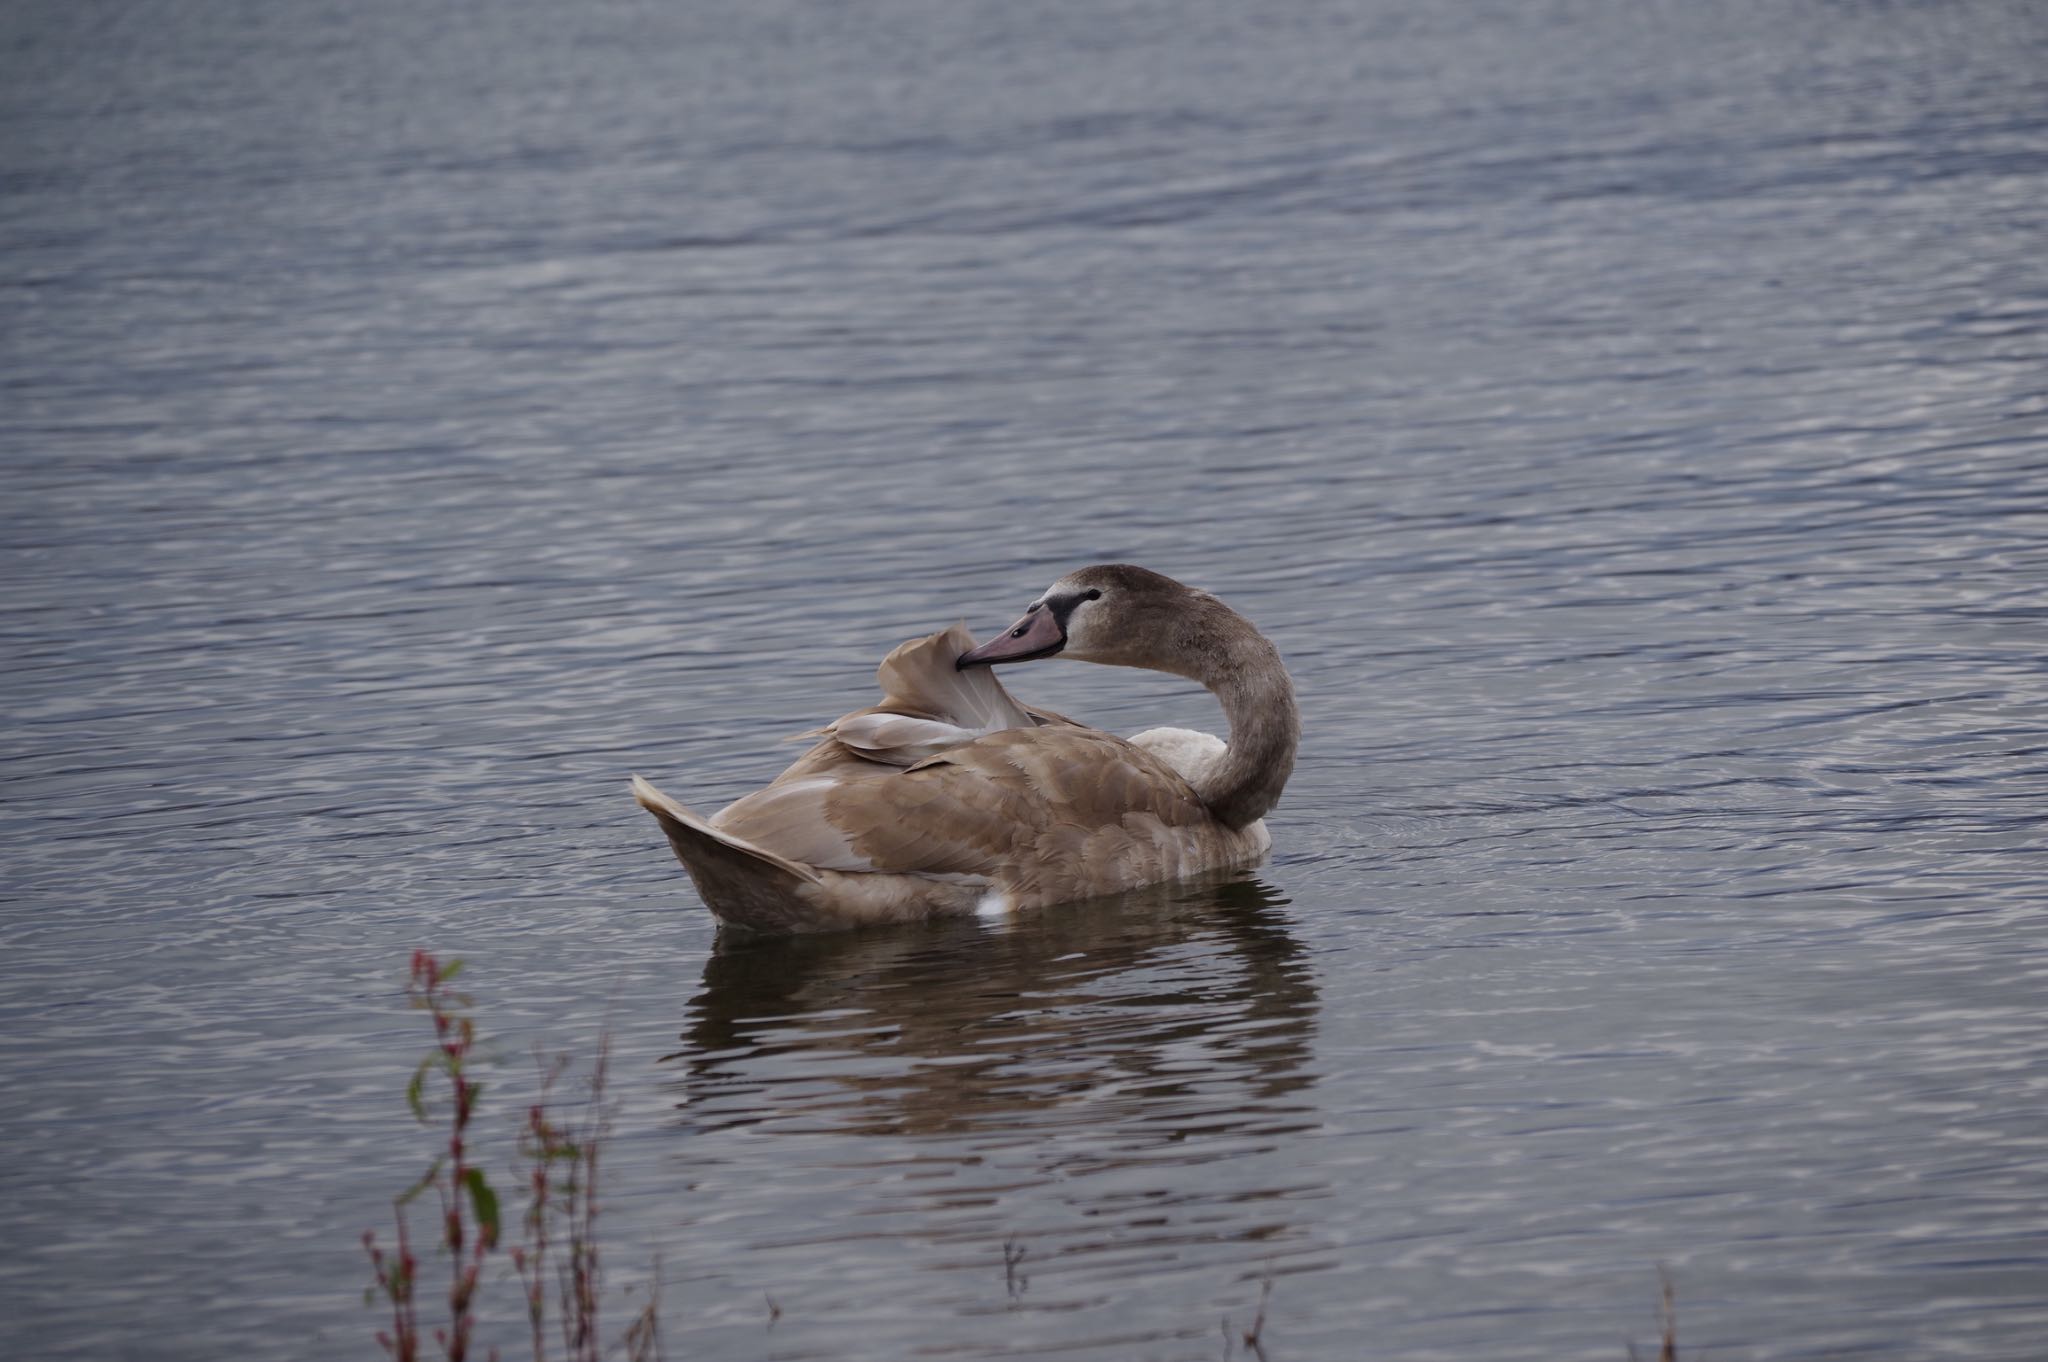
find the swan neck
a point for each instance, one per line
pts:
(1248, 679)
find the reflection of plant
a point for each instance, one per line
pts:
(562, 1175)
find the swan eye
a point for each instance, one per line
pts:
(1091, 594)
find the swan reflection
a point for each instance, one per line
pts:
(1176, 1011)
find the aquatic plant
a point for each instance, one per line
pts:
(567, 1197)
(1667, 1320)
(469, 1207)
(1254, 1337)
(559, 1229)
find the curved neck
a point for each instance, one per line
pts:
(1242, 667)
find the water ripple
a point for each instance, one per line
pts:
(1628, 423)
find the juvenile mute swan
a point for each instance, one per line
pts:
(951, 797)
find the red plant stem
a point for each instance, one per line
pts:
(456, 1035)
(406, 1308)
(588, 1268)
(463, 1190)
(532, 1263)
(395, 1280)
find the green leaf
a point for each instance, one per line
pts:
(486, 1202)
(426, 1181)
(450, 970)
(416, 1091)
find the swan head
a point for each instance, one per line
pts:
(1111, 613)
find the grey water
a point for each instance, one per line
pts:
(1631, 422)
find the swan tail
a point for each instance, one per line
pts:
(742, 884)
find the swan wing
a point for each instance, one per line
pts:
(1048, 813)
(951, 779)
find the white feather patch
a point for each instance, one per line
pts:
(1193, 755)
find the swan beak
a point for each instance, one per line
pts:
(1038, 634)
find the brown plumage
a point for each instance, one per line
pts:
(949, 796)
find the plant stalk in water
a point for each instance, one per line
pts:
(469, 1208)
(560, 1228)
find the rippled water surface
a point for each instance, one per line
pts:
(1630, 421)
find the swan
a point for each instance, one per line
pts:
(951, 797)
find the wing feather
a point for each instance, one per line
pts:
(918, 678)
(1015, 803)
(789, 818)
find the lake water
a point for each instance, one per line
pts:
(1630, 421)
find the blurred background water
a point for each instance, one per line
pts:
(1630, 421)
